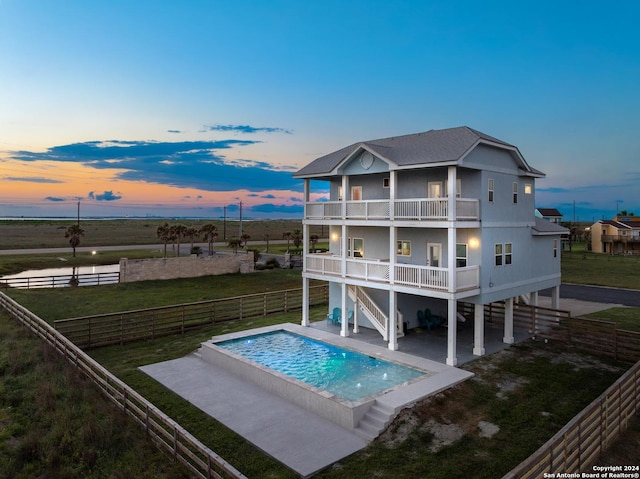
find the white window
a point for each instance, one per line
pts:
(461, 255)
(528, 188)
(385, 182)
(339, 193)
(356, 193)
(555, 248)
(498, 254)
(503, 253)
(490, 187)
(515, 193)
(404, 248)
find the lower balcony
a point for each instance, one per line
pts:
(413, 276)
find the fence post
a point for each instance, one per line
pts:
(264, 304)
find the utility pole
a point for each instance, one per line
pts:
(78, 214)
(240, 220)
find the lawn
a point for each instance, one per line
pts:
(583, 267)
(61, 303)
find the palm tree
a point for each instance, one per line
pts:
(245, 239)
(235, 243)
(313, 239)
(266, 238)
(164, 233)
(297, 238)
(178, 232)
(287, 235)
(210, 232)
(73, 233)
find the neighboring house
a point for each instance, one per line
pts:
(426, 221)
(620, 235)
(549, 214)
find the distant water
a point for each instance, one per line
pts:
(62, 276)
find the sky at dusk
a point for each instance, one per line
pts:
(147, 107)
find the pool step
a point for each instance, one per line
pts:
(377, 418)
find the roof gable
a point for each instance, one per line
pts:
(431, 148)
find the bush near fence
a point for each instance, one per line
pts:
(128, 326)
(164, 431)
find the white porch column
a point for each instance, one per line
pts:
(452, 310)
(305, 252)
(478, 330)
(392, 333)
(533, 298)
(555, 297)
(344, 330)
(356, 311)
(508, 321)
(305, 301)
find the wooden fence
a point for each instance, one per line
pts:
(593, 335)
(165, 432)
(128, 326)
(60, 281)
(578, 444)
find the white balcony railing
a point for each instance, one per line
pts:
(421, 277)
(435, 209)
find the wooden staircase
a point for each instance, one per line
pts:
(374, 313)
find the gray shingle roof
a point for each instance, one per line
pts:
(433, 146)
(544, 227)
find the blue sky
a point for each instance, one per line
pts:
(183, 108)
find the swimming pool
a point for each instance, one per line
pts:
(348, 413)
(347, 374)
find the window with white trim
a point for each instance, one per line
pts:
(508, 247)
(498, 254)
(490, 189)
(385, 182)
(528, 188)
(515, 193)
(555, 248)
(403, 248)
(461, 255)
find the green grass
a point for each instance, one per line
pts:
(44, 233)
(54, 423)
(581, 267)
(625, 318)
(60, 303)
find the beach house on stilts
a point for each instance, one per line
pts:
(422, 222)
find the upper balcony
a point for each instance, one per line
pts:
(620, 239)
(418, 209)
(409, 275)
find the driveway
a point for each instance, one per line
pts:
(599, 294)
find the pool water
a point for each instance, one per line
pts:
(344, 373)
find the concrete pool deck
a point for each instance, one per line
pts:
(303, 441)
